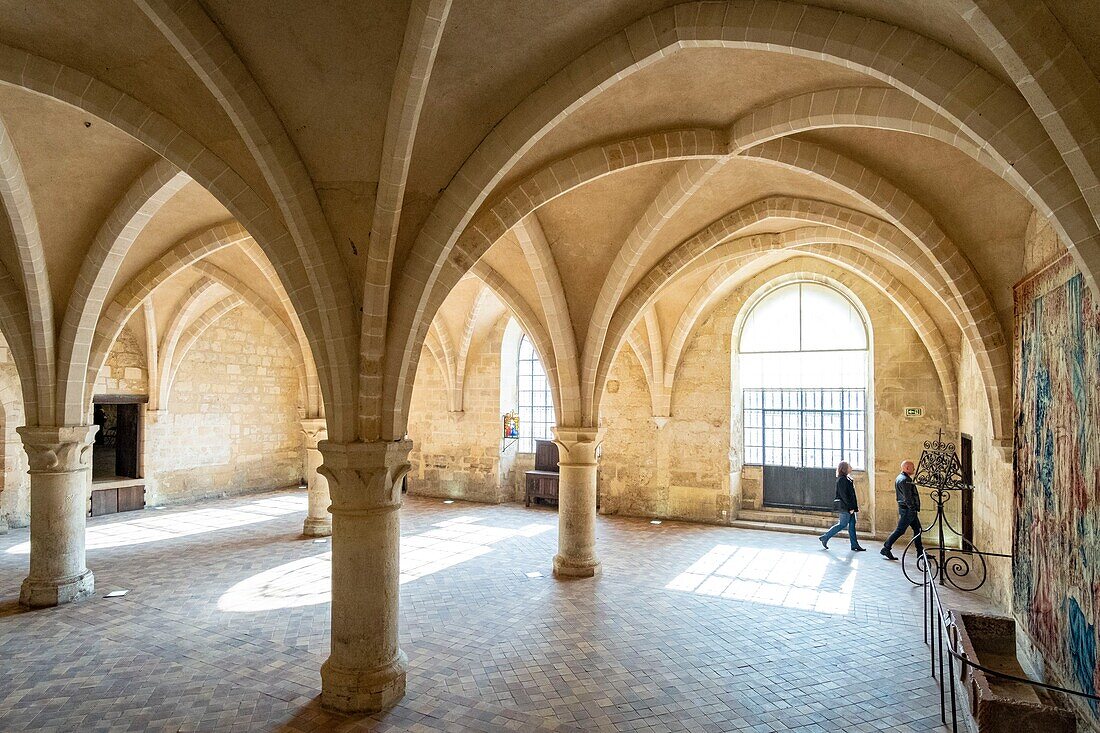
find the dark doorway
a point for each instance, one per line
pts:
(966, 464)
(117, 442)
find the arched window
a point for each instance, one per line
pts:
(536, 404)
(803, 373)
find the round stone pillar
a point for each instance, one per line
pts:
(366, 670)
(318, 521)
(60, 463)
(576, 556)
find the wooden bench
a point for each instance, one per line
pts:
(542, 482)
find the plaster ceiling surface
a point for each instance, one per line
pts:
(458, 304)
(189, 213)
(237, 263)
(495, 52)
(169, 296)
(115, 42)
(586, 228)
(327, 68)
(698, 87)
(508, 260)
(75, 172)
(1080, 19)
(738, 182)
(979, 211)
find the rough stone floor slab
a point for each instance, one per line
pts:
(690, 628)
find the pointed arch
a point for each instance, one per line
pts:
(141, 201)
(324, 304)
(464, 347)
(555, 309)
(15, 195)
(191, 336)
(195, 301)
(866, 267)
(967, 95)
(129, 299)
(423, 33)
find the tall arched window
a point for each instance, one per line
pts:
(536, 404)
(803, 372)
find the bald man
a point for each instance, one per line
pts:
(908, 507)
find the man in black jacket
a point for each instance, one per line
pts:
(908, 507)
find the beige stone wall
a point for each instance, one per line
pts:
(125, 371)
(15, 507)
(992, 465)
(231, 423)
(683, 470)
(457, 454)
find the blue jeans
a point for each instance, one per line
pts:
(845, 521)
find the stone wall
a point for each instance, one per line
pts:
(125, 371)
(684, 469)
(15, 497)
(457, 454)
(992, 468)
(232, 421)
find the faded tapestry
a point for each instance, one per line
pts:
(1056, 571)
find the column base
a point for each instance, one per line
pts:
(363, 691)
(566, 568)
(39, 593)
(314, 527)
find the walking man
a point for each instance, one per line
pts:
(908, 507)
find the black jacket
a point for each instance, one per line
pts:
(846, 494)
(906, 490)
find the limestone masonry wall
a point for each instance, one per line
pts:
(15, 506)
(457, 454)
(232, 423)
(125, 371)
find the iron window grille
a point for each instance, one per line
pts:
(536, 404)
(805, 428)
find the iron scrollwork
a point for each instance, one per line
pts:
(964, 567)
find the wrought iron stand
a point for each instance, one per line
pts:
(964, 567)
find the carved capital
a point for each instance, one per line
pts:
(314, 429)
(364, 478)
(577, 446)
(58, 449)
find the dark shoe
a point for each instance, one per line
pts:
(824, 542)
(859, 549)
(885, 552)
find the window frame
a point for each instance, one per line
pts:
(761, 440)
(540, 395)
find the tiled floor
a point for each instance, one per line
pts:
(690, 628)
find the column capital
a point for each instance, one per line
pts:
(58, 449)
(577, 445)
(315, 429)
(364, 478)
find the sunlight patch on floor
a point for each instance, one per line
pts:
(799, 580)
(150, 527)
(307, 581)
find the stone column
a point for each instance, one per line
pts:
(318, 520)
(576, 556)
(60, 463)
(366, 670)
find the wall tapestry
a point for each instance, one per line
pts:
(1056, 571)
